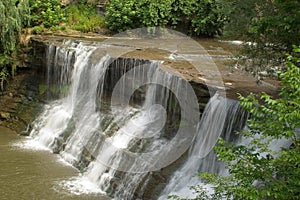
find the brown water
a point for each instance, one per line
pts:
(28, 174)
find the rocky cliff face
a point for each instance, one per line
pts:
(213, 73)
(23, 96)
(205, 82)
(19, 102)
(116, 69)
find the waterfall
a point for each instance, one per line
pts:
(221, 117)
(118, 143)
(120, 121)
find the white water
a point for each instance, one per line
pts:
(220, 118)
(118, 158)
(72, 126)
(83, 77)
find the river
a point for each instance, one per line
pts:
(30, 174)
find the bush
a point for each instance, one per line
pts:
(38, 29)
(84, 18)
(122, 15)
(47, 13)
(200, 17)
(14, 16)
(272, 27)
(208, 18)
(155, 13)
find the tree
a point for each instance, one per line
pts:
(14, 15)
(196, 17)
(258, 171)
(46, 13)
(272, 27)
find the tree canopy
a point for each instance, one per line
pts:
(14, 15)
(271, 27)
(196, 17)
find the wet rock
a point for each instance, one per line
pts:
(58, 144)
(30, 98)
(85, 159)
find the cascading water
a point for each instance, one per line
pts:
(96, 139)
(119, 143)
(221, 117)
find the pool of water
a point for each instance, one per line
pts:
(34, 174)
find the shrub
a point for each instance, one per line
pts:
(200, 17)
(122, 15)
(47, 13)
(14, 16)
(84, 18)
(272, 27)
(208, 18)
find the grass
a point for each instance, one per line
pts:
(84, 18)
(79, 17)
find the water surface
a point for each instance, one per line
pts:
(29, 174)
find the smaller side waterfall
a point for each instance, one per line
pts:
(221, 117)
(50, 126)
(59, 67)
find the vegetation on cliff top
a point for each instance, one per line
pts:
(195, 17)
(271, 27)
(50, 14)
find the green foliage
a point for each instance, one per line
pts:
(182, 12)
(47, 13)
(279, 24)
(3, 77)
(42, 89)
(198, 17)
(272, 27)
(155, 13)
(38, 29)
(256, 170)
(84, 18)
(122, 15)
(240, 14)
(208, 18)
(14, 15)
